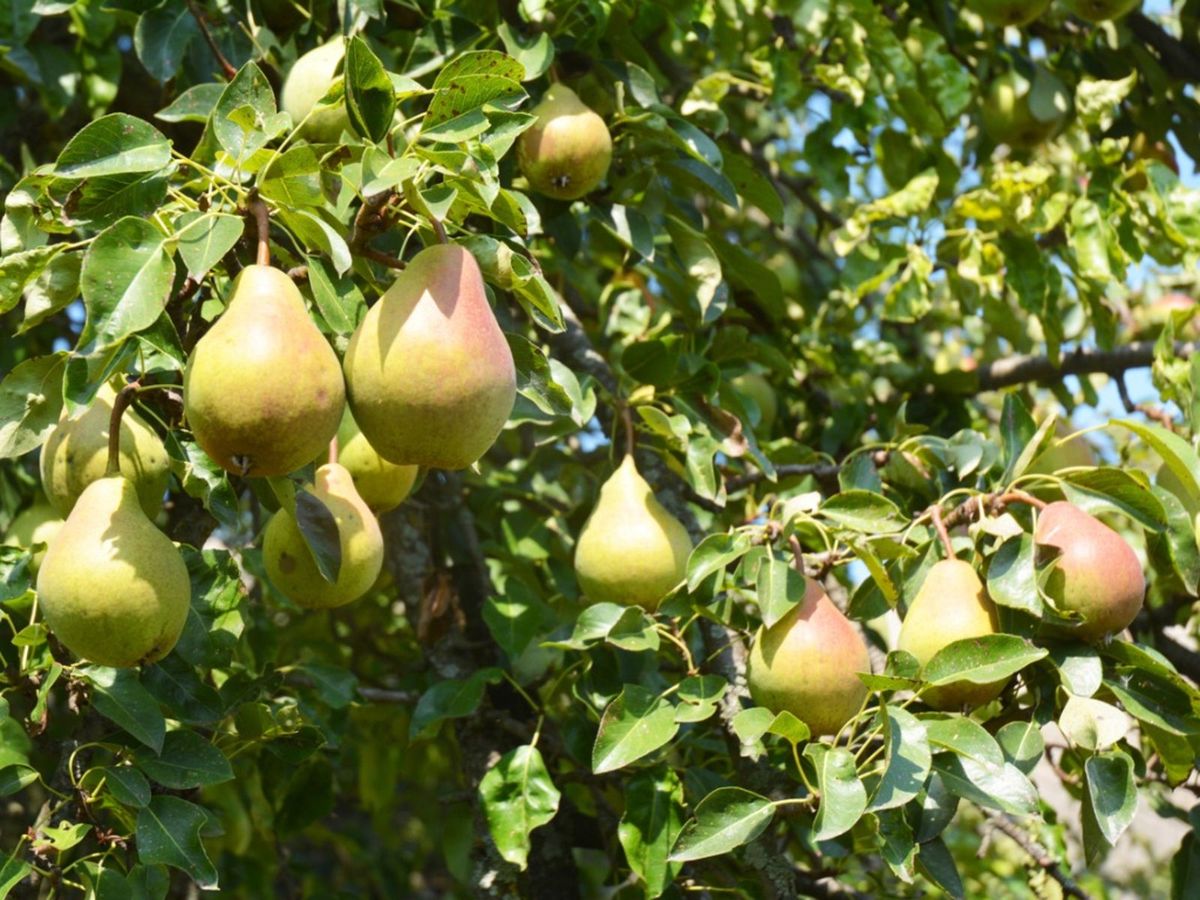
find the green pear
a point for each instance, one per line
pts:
(290, 563)
(381, 484)
(1008, 12)
(263, 389)
(307, 82)
(808, 663)
(759, 390)
(951, 605)
(567, 151)
(112, 587)
(1101, 10)
(631, 550)
(1024, 113)
(76, 454)
(430, 377)
(32, 527)
(1065, 455)
(1096, 574)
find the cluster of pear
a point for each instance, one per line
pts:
(1022, 12)
(808, 663)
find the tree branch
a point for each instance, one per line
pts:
(227, 68)
(1021, 369)
(1038, 854)
(1179, 59)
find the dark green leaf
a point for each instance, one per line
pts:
(727, 818)
(168, 833)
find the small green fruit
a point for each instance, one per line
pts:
(307, 82)
(381, 484)
(1023, 113)
(1008, 12)
(1101, 10)
(756, 387)
(567, 151)
(33, 526)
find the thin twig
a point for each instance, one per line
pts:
(939, 524)
(227, 68)
(1039, 855)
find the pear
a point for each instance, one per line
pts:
(307, 82)
(1101, 10)
(951, 605)
(76, 454)
(381, 484)
(754, 386)
(112, 587)
(263, 389)
(567, 151)
(1008, 12)
(33, 526)
(1096, 574)
(430, 377)
(1069, 454)
(1011, 115)
(290, 563)
(808, 663)
(631, 550)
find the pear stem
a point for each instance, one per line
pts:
(797, 553)
(333, 449)
(939, 524)
(439, 229)
(630, 434)
(262, 218)
(120, 404)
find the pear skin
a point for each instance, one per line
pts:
(567, 151)
(290, 564)
(430, 377)
(808, 663)
(113, 588)
(758, 389)
(1008, 115)
(307, 82)
(631, 550)
(76, 454)
(381, 484)
(36, 525)
(1097, 575)
(263, 389)
(1008, 12)
(1101, 10)
(951, 605)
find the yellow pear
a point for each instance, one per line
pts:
(381, 484)
(430, 377)
(567, 151)
(33, 526)
(307, 82)
(808, 663)
(113, 588)
(263, 389)
(951, 605)
(631, 550)
(290, 563)
(76, 454)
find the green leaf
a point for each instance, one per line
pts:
(937, 864)
(128, 786)
(13, 872)
(714, 554)
(162, 36)
(650, 825)
(1012, 576)
(168, 833)
(30, 403)
(1093, 724)
(963, 736)
(1022, 743)
(174, 683)
(535, 52)
(56, 287)
(1100, 489)
(320, 531)
(627, 627)
(864, 511)
(119, 697)
(193, 105)
(370, 100)
(293, 178)
(1003, 787)
(115, 144)
(450, 699)
(982, 660)
(204, 238)
(1111, 799)
(126, 280)
(186, 761)
(1079, 667)
(727, 818)
(19, 270)
(339, 299)
(517, 796)
(66, 835)
(908, 759)
(1176, 454)
(244, 119)
(780, 589)
(843, 796)
(636, 723)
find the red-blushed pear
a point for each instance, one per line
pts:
(290, 563)
(808, 663)
(113, 588)
(381, 484)
(263, 390)
(951, 605)
(307, 82)
(631, 549)
(430, 377)
(1096, 574)
(1008, 12)
(567, 151)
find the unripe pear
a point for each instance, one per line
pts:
(430, 377)
(631, 550)
(1101, 10)
(1010, 117)
(263, 389)
(1008, 12)
(113, 588)
(758, 389)
(808, 663)
(307, 82)
(381, 484)
(290, 563)
(76, 454)
(1096, 574)
(1070, 454)
(566, 152)
(36, 525)
(951, 605)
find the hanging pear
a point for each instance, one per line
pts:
(37, 524)
(566, 152)
(263, 389)
(808, 663)
(76, 454)
(290, 564)
(1096, 573)
(631, 550)
(310, 79)
(430, 377)
(951, 605)
(755, 386)
(381, 484)
(113, 588)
